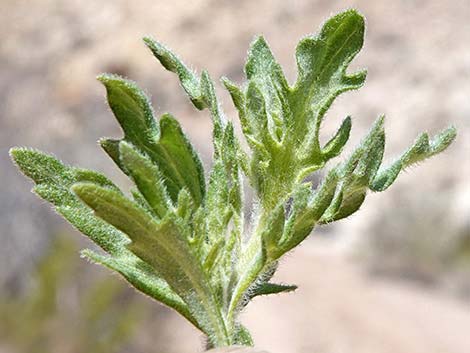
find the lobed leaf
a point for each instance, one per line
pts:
(363, 171)
(281, 123)
(188, 79)
(163, 246)
(53, 182)
(322, 62)
(186, 247)
(419, 151)
(164, 143)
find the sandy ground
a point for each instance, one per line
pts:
(341, 310)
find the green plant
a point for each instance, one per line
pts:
(184, 243)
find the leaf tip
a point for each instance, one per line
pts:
(83, 190)
(34, 163)
(259, 41)
(352, 14)
(15, 153)
(148, 40)
(20, 157)
(109, 79)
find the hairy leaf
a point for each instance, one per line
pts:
(190, 248)
(190, 82)
(163, 245)
(143, 278)
(147, 177)
(335, 145)
(282, 123)
(271, 288)
(164, 143)
(53, 181)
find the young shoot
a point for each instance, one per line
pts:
(180, 236)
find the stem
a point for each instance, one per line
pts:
(252, 250)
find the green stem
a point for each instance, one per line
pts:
(252, 250)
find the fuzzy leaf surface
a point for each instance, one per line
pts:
(53, 182)
(163, 142)
(163, 245)
(189, 247)
(281, 123)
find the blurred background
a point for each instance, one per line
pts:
(393, 278)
